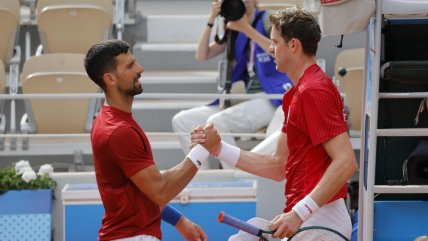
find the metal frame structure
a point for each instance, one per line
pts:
(370, 131)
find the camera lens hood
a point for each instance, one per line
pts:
(232, 10)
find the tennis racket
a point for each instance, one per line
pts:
(318, 233)
(241, 225)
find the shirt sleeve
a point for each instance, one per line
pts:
(130, 150)
(322, 114)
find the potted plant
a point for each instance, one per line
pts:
(26, 202)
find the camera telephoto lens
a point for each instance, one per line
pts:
(232, 10)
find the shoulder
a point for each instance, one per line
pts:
(315, 79)
(124, 133)
(128, 137)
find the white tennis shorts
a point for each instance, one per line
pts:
(139, 238)
(333, 215)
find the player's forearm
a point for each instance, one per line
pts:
(260, 164)
(257, 37)
(174, 180)
(337, 175)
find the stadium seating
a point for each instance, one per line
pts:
(67, 29)
(73, 26)
(351, 83)
(2, 116)
(57, 73)
(9, 19)
(277, 4)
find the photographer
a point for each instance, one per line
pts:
(250, 46)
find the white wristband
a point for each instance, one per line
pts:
(198, 155)
(229, 154)
(305, 208)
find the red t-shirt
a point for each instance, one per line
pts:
(314, 114)
(121, 149)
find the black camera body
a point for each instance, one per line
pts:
(232, 10)
(415, 168)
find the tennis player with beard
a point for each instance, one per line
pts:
(133, 191)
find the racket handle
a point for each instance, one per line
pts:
(239, 224)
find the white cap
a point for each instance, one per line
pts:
(422, 238)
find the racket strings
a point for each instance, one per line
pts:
(318, 234)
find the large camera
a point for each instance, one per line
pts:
(232, 10)
(415, 168)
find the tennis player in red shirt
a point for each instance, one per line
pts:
(133, 191)
(313, 153)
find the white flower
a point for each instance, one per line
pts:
(46, 169)
(24, 169)
(29, 175)
(21, 166)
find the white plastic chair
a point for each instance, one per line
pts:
(57, 73)
(351, 84)
(9, 23)
(9, 19)
(73, 26)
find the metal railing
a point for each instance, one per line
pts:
(187, 96)
(16, 136)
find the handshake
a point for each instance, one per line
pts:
(207, 136)
(205, 140)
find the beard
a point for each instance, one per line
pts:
(138, 89)
(135, 89)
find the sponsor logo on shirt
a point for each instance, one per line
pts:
(344, 114)
(263, 57)
(287, 86)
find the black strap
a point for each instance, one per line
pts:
(231, 44)
(234, 34)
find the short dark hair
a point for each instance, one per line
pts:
(297, 23)
(101, 58)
